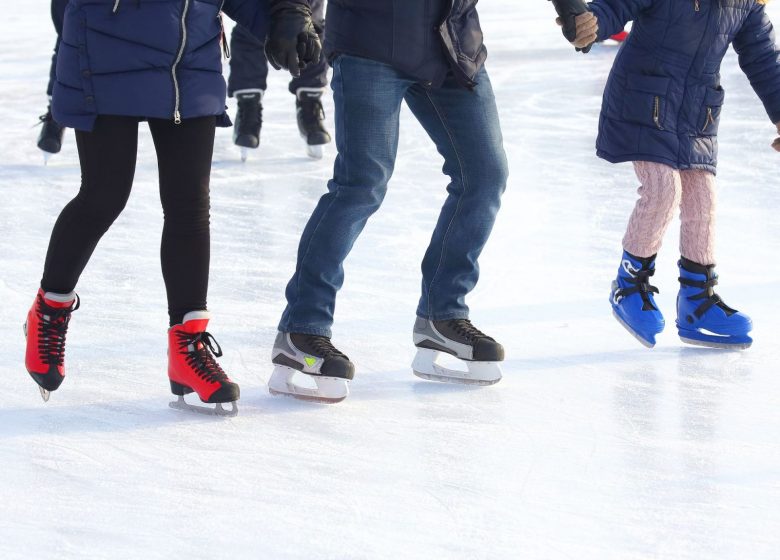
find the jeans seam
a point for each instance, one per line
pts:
(457, 207)
(324, 213)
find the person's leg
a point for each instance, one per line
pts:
(465, 127)
(697, 216)
(107, 156)
(659, 199)
(248, 64)
(184, 154)
(367, 98)
(315, 75)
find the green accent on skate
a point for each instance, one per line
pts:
(309, 360)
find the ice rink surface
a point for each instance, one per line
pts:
(592, 447)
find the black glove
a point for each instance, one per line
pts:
(568, 10)
(292, 40)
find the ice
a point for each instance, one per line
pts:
(591, 447)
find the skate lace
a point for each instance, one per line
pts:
(640, 284)
(52, 330)
(467, 330)
(324, 348)
(312, 111)
(201, 349)
(251, 116)
(46, 117)
(708, 295)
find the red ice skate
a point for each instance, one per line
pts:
(620, 37)
(192, 367)
(45, 329)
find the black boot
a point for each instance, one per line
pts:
(249, 119)
(50, 139)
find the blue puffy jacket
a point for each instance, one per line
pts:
(663, 99)
(146, 58)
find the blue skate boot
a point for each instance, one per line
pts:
(632, 299)
(702, 317)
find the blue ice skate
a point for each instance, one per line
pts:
(702, 317)
(632, 299)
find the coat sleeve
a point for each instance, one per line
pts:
(759, 59)
(252, 14)
(615, 14)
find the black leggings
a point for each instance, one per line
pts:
(108, 156)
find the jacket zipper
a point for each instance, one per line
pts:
(116, 6)
(657, 112)
(176, 113)
(224, 40)
(710, 119)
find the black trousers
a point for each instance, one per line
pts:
(249, 65)
(108, 157)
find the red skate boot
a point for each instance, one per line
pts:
(620, 37)
(45, 329)
(192, 367)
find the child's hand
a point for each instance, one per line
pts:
(776, 143)
(587, 29)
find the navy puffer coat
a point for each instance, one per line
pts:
(146, 58)
(663, 99)
(426, 39)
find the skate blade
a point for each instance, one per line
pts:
(424, 366)
(330, 390)
(314, 152)
(643, 341)
(244, 154)
(218, 410)
(44, 394)
(715, 343)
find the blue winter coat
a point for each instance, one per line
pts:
(424, 38)
(663, 99)
(146, 58)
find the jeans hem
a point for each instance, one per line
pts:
(304, 329)
(443, 316)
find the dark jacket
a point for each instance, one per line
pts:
(663, 99)
(423, 38)
(146, 58)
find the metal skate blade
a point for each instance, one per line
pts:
(218, 410)
(314, 152)
(44, 394)
(329, 390)
(244, 154)
(46, 158)
(632, 332)
(714, 344)
(477, 373)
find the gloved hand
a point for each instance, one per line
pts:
(292, 39)
(776, 143)
(587, 29)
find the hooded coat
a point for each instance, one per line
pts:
(663, 98)
(425, 39)
(146, 58)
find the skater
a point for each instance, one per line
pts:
(182, 104)
(428, 53)
(247, 83)
(661, 110)
(50, 138)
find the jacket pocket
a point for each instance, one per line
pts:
(645, 101)
(709, 117)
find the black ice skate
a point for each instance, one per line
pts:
(457, 337)
(311, 117)
(317, 358)
(249, 120)
(50, 138)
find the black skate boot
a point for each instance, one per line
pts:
(457, 337)
(249, 120)
(311, 117)
(315, 356)
(50, 138)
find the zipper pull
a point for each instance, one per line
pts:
(657, 112)
(224, 41)
(697, 5)
(177, 117)
(710, 119)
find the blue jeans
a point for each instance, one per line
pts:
(465, 128)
